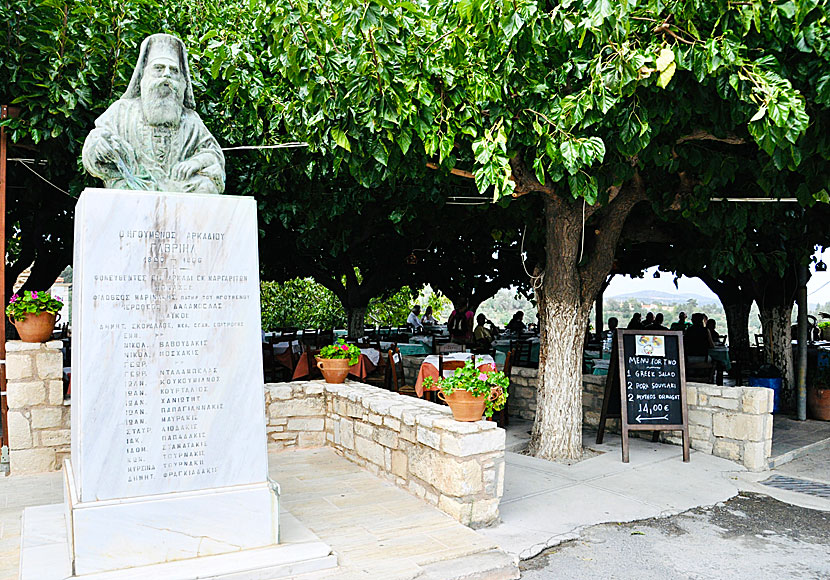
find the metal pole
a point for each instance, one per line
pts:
(801, 378)
(598, 310)
(4, 407)
(5, 112)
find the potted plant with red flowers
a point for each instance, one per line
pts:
(334, 361)
(471, 392)
(34, 314)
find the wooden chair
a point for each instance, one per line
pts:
(523, 350)
(382, 375)
(502, 418)
(396, 374)
(448, 347)
(700, 369)
(284, 372)
(309, 338)
(449, 365)
(325, 338)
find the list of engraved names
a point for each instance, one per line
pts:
(168, 321)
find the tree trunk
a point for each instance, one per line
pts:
(737, 325)
(557, 431)
(356, 317)
(578, 258)
(778, 350)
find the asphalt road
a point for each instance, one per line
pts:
(751, 536)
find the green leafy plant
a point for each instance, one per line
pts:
(491, 384)
(341, 350)
(824, 324)
(32, 302)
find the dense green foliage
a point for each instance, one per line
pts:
(303, 303)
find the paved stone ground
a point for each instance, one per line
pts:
(17, 493)
(749, 536)
(378, 530)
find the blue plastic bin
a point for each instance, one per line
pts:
(774, 384)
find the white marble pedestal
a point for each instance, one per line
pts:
(169, 469)
(130, 532)
(44, 555)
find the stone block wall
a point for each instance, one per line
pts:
(522, 400)
(39, 435)
(730, 422)
(458, 467)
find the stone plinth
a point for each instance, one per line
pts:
(38, 419)
(169, 460)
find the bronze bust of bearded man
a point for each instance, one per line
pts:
(151, 138)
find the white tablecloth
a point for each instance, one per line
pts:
(372, 354)
(281, 347)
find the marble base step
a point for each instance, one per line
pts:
(44, 555)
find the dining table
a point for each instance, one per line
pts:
(284, 352)
(414, 348)
(429, 368)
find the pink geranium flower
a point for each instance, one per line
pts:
(482, 377)
(14, 298)
(34, 294)
(344, 347)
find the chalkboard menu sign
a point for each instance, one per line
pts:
(647, 377)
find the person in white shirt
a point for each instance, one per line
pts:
(414, 318)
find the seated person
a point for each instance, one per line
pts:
(516, 324)
(696, 340)
(658, 323)
(428, 318)
(636, 322)
(414, 318)
(647, 321)
(482, 336)
(710, 325)
(681, 323)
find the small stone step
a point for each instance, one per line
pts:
(489, 565)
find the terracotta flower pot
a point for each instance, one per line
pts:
(818, 403)
(335, 370)
(464, 406)
(36, 327)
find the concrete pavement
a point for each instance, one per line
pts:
(547, 503)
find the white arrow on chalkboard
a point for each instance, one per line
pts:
(640, 419)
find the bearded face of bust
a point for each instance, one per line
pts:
(162, 91)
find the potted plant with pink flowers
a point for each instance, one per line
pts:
(334, 361)
(34, 314)
(472, 391)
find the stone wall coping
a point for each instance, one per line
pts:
(20, 346)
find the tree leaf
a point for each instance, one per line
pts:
(665, 58)
(341, 139)
(666, 75)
